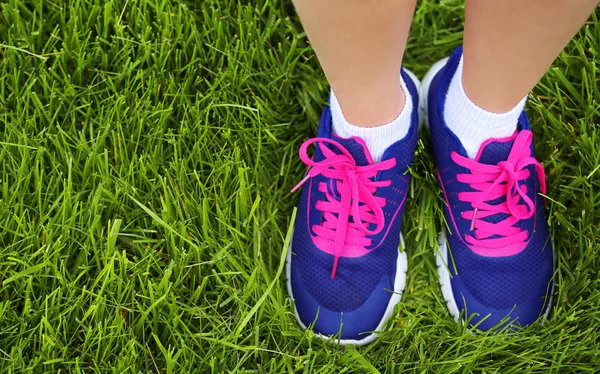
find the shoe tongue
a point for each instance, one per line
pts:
(356, 147)
(492, 152)
(495, 150)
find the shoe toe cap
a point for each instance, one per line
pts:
(352, 326)
(486, 316)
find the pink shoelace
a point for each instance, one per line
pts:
(495, 181)
(346, 220)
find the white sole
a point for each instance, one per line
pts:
(444, 274)
(424, 90)
(400, 279)
(442, 253)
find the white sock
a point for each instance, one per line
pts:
(472, 124)
(379, 138)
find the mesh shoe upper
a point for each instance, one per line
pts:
(362, 285)
(481, 282)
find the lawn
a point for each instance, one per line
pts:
(147, 150)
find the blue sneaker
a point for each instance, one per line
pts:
(344, 269)
(496, 259)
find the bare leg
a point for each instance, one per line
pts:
(360, 44)
(509, 45)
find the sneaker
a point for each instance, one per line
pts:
(496, 258)
(344, 269)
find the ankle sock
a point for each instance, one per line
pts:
(379, 138)
(472, 124)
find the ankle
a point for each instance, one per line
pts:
(370, 106)
(473, 124)
(486, 91)
(384, 131)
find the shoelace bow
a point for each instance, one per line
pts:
(356, 191)
(495, 181)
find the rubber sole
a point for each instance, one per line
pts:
(442, 253)
(399, 283)
(424, 90)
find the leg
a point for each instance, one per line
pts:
(509, 45)
(500, 220)
(371, 130)
(360, 44)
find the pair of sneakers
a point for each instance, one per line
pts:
(495, 258)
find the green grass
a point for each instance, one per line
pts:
(147, 148)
